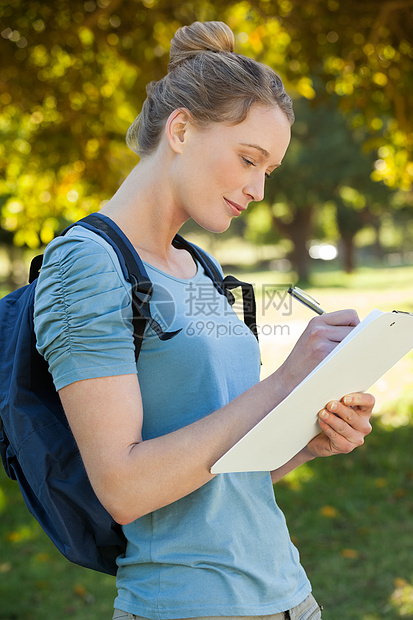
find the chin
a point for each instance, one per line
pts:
(215, 227)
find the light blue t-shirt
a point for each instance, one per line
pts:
(223, 550)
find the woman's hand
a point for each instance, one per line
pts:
(319, 338)
(344, 425)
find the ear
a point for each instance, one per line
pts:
(176, 129)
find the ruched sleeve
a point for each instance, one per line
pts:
(82, 315)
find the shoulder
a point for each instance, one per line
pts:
(79, 242)
(77, 250)
(76, 268)
(82, 313)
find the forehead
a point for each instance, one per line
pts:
(265, 127)
(265, 122)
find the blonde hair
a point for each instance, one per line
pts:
(209, 79)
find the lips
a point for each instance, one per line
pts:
(235, 206)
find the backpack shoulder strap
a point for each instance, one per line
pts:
(248, 301)
(134, 272)
(202, 257)
(225, 285)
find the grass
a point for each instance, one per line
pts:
(350, 516)
(36, 582)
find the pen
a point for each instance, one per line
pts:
(305, 299)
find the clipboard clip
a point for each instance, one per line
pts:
(402, 312)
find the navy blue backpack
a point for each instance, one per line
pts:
(36, 444)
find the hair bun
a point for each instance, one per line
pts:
(200, 37)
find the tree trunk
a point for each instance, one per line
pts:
(348, 253)
(378, 248)
(299, 232)
(18, 269)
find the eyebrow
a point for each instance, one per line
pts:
(259, 148)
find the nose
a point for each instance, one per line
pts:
(255, 188)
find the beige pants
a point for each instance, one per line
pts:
(307, 610)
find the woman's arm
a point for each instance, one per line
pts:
(132, 477)
(344, 425)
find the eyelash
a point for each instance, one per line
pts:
(251, 163)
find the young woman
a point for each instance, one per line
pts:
(199, 545)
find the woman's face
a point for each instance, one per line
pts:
(222, 168)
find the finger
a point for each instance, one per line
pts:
(363, 402)
(343, 437)
(346, 421)
(357, 418)
(338, 333)
(333, 326)
(341, 317)
(319, 331)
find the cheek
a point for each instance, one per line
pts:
(209, 169)
(206, 178)
(221, 174)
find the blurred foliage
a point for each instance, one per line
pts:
(363, 52)
(325, 170)
(73, 76)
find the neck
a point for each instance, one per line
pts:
(143, 207)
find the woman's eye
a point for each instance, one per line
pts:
(248, 162)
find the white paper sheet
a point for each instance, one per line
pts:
(369, 351)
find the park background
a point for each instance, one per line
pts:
(336, 218)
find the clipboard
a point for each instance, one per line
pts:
(375, 345)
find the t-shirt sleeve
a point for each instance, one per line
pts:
(82, 312)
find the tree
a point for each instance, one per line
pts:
(362, 52)
(324, 162)
(73, 76)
